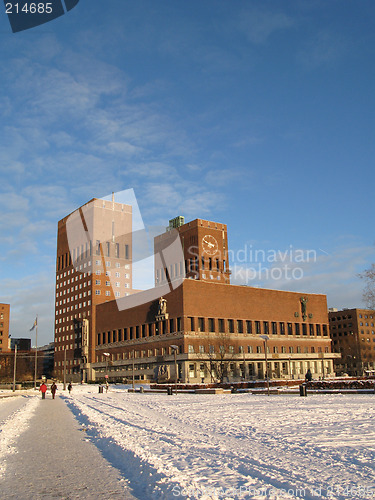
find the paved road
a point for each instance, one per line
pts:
(53, 459)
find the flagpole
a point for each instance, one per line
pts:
(36, 351)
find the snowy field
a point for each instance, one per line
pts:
(232, 446)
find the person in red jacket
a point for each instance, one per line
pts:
(43, 390)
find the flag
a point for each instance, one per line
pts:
(34, 325)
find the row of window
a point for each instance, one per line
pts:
(139, 331)
(150, 353)
(73, 271)
(74, 307)
(258, 327)
(67, 319)
(85, 251)
(117, 294)
(108, 283)
(191, 265)
(221, 349)
(349, 316)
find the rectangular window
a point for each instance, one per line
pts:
(231, 325)
(248, 327)
(240, 326)
(221, 325)
(191, 322)
(274, 328)
(201, 324)
(311, 328)
(265, 327)
(97, 247)
(211, 324)
(190, 349)
(107, 249)
(126, 251)
(257, 327)
(296, 326)
(250, 349)
(282, 328)
(325, 331)
(201, 349)
(318, 329)
(304, 329)
(290, 329)
(117, 250)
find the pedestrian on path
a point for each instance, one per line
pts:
(43, 390)
(70, 388)
(308, 376)
(53, 389)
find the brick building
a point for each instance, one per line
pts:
(217, 329)
(353, 335)
(93, 265)
(4, 327)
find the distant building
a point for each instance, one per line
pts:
(353, 335)
(4, 327)
(22, 344)
(45, 356)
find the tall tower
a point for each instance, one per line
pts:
(93, 265)
(205, 252)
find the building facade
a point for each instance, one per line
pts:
(4, 327)
(217, 331)
(93, 265)
(353, 336)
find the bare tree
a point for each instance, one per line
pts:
(219, 354)
(369, 291)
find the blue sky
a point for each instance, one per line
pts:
(258, 114)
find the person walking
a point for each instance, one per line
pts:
(43, 390)
(308, 376)
(70, 388)
(53, 389)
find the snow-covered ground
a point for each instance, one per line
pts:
(234, 445)
(227, 446)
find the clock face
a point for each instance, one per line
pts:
(209, 245)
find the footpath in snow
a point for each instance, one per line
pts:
(45, 454)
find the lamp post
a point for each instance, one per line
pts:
(175, 347)
(14, 368)
(64, 368)
(36, 352)
(106, 355)
(266, 338)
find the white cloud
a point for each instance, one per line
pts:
(335, 274)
